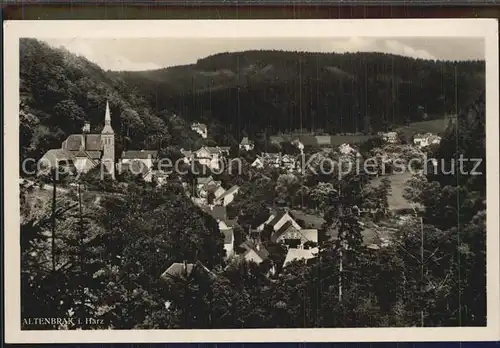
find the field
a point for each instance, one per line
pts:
(433, 126)
(395, 198)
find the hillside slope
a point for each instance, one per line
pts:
(59, 91)
(285, 91)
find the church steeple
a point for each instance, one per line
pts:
(107, 121)
(108, 143)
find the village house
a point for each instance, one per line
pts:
(390, 137)
(246, 144)
(210, 190)
(294, 237)
(139, 162)
(278, 220)
(275, 221)
(84, 151)
(254, 252)
(288, 162)
(427, 139)
(258, 163)
(227, 197)
(212, 157)
(201, 129)
(272, 159)
(346, 149)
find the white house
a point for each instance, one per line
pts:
(258, 163)
(424, 140)
(390, 137)
(211, 157)
(346, 149)
(144, 156)
(227, 197)
(201, 129)
(246, 144)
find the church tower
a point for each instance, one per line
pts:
(108, 144)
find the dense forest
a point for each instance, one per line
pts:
(284, 91)
(102, 257)
(235, 94)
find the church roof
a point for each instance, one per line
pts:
(93, 142)
(88, 142)
(74, 142)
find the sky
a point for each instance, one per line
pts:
(155, 53)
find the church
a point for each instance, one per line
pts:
(85, 151)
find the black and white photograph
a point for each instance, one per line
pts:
(330, 177)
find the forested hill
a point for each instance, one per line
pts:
(285, 91)
(231, 92)
(59, 91)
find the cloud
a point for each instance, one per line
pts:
(397, 47)
(106, 61)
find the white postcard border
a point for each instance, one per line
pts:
(13, 30)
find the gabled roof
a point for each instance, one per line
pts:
(187, 153)
(278, 216)
(251, 246)
(73, 142)
(201, 126)
(184, 271)
(286, 226)
(228, 192)
(139, 154)
(245, 141)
